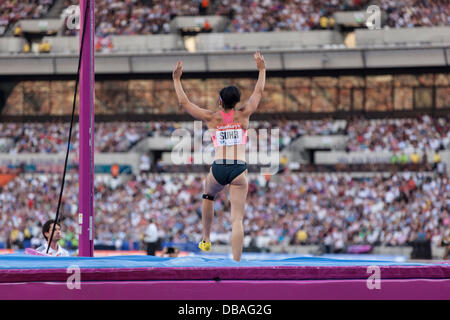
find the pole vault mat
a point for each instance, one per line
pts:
(203, 277)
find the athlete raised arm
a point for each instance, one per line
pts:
(191, 108)
(252, 104)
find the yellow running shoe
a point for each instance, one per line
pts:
(205, 246)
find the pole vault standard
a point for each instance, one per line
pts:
(86, 131)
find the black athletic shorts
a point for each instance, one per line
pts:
(224, 171)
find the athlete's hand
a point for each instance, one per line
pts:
(259, 59)
(178, 71)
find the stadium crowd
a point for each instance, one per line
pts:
(278, 15)
(297, 15)
(336, 210)
(142, 17)
(130, 17)
(398, 135)
(12, 11)
(121, 136)
(114, 17)
(416, 13)
(52, 137)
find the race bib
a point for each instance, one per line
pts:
(229, 134)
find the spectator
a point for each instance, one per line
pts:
(415, 158)
(446, 244)
(441, 168)
(301, 236)
(204, 6)
(404, 159)
(151, 238)
(436, 159)
(44, 47)
(395, 159)
(206, 26)
(18, 31)
(145, 163)
(115, 170)
(104, 44)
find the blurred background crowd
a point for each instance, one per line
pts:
(131, 17)
(335, 210)
(380, 129)
(398, 135)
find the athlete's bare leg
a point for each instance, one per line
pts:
(238, 196)
(212, 188)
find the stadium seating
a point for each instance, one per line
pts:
(329, 207)
(12, 11)
(372, 168)
(244, 15)
(400, 135)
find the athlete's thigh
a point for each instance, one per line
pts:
(238, 193)
(212, 187)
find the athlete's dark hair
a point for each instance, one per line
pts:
(46, 227)
(230, 96)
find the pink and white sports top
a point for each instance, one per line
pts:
(229, 133)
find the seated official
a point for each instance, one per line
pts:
(55, 249)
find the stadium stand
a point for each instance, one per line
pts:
(142, 17)
(335, 210)
(12, 11)
(413, 13)
(137, 17)
(398, 135)
(363, 116)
